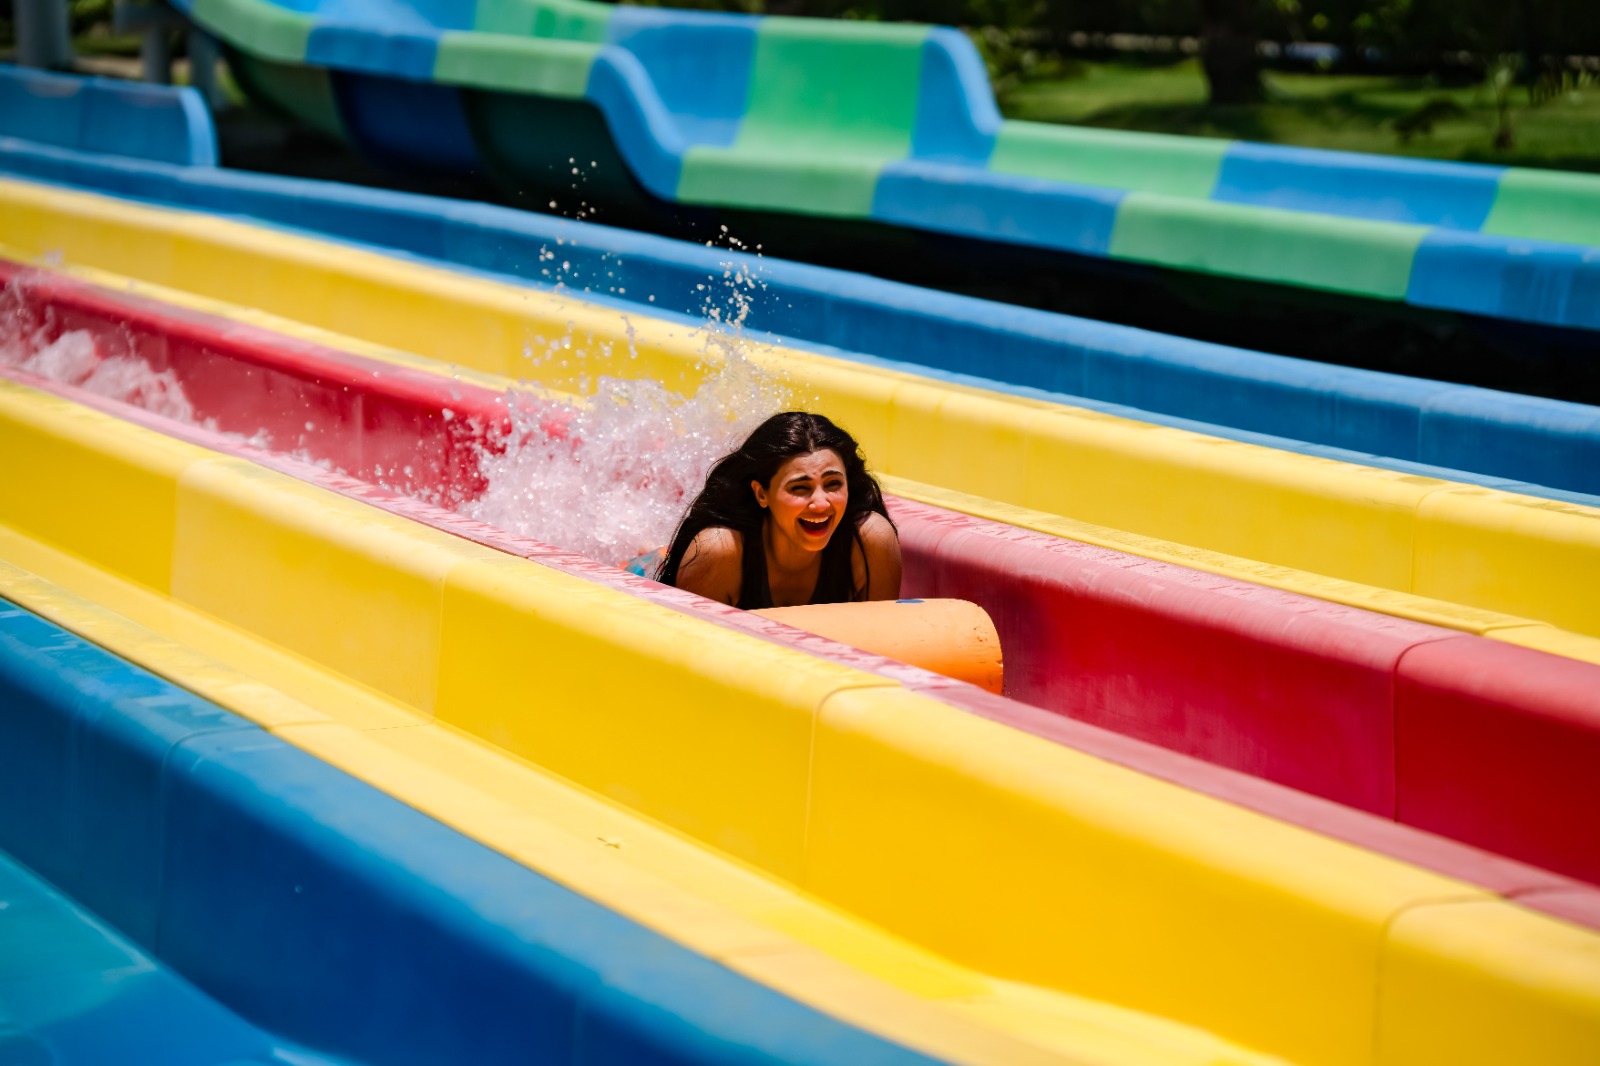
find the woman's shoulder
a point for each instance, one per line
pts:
(713, 564)
(715, 541)
(875, 529)
(875, 559)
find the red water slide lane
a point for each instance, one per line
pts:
(1121, 652)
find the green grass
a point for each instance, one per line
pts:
(1348, 112)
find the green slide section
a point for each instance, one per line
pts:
(828, 108)
(544, 47)
(829, 83)
(569, 20)
(800, 180)
(1546, 205)
(265, 30)
(544, 67)
(1117, 159)
(1338, 254)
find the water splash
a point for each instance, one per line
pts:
(616, 482)
(632, 457)
(73, 358)
(608, 477)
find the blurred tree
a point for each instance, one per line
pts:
(1388, 34)
(1229, 32)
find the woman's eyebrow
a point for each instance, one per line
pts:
(807, 477)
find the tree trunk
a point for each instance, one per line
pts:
(1532, 43)
(1228, 51)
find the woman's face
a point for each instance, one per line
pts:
(806, 499)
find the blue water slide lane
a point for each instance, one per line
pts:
(1384, 188)
(396, 54)
(394, 38)
(74, 992)
(943, 197)
(1534, 281)
(382, 116)
(324, 910)
(1458, 432)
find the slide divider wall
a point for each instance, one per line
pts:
(121, 119)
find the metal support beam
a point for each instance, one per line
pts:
(44, 34)
(156, 24)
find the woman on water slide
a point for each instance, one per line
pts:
(792, 517)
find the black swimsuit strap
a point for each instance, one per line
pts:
(755, 594)
(834, 578)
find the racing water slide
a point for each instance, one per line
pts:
(895, 125)
(880, 845)
(425, 435)
(788, 761)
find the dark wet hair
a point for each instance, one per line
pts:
(728, 501)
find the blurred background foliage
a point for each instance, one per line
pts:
(1406, 30)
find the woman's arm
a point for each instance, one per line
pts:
(711, 565)
(876, 561)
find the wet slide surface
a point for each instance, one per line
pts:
(896, 124)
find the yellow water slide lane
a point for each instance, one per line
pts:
(1512, 567)
(944, 880)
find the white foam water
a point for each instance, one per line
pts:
(73, 358)
(634, 455)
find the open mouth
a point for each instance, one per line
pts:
(815, 527)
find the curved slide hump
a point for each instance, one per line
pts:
(1520, 443)
(896, 123)
(1506, 565)
(894, 861)
(1149, 650)
(307, 900)
(154, 123)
